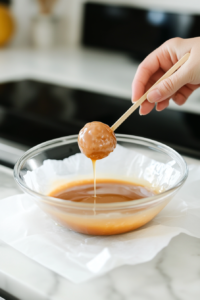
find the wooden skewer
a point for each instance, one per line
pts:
(144, 97)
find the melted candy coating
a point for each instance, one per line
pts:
(96, 140)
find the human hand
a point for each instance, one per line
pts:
(178, 86)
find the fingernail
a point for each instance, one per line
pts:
(140, 113)
(154, 96)
(132, 97)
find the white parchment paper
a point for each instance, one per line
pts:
(122, 163)
(79, 257)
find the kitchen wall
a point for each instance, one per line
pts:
(70, 14)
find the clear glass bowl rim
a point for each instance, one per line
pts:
(119, 205)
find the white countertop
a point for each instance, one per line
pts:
(172, 274)
(104, 72)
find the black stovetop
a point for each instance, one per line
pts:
(32, 112)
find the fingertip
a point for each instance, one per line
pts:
(146, 108)
(162, 105)
(134, 93)
(158, 109)
(140, 113)
(154, 96)
(179, 99)
(138, 89)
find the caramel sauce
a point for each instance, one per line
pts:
(105, 221)
(108, 191)
(95, 191)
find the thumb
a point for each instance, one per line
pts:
(167, 87)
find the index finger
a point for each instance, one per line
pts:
(152, 63)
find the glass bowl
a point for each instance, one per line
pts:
(109, 218)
